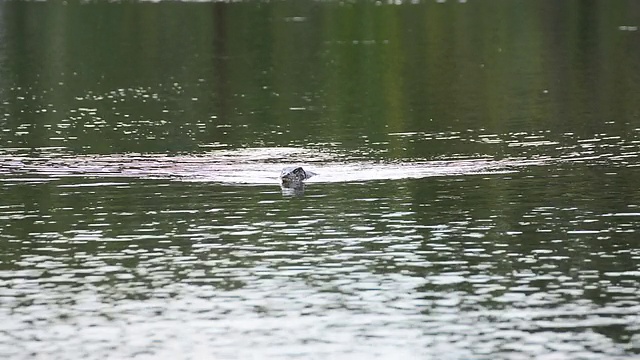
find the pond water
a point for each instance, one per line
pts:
(477, 191)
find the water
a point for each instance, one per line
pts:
(476, 193)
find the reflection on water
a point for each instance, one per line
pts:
(292, 189)
(477, 192)
(529, 263)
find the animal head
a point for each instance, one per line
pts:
(293, 174)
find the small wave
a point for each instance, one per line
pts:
(244, 166)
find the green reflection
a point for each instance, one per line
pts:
(296, 73)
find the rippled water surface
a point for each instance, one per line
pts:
(476, 198)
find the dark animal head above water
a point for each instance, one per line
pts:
(294, 174)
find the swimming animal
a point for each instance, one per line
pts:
(293, 175)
